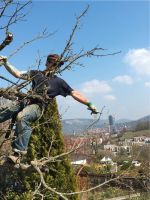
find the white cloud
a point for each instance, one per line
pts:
(95, 86)
(123, 79)
(147, 84)
(110, 97)
(139, 60)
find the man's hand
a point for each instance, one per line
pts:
(3, 60)
(92, 108)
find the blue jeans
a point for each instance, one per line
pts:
(25, 115)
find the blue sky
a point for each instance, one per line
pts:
(120, 82)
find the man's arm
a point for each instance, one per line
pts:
(11, 69)
(80, 98)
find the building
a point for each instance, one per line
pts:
(115, 149)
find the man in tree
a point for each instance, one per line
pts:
(45, 85)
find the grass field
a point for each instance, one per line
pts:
(130, 134)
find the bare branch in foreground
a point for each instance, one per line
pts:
(44, 34)
(16, 13)
(72, 59)
(61, 194)
(46, 186)
(68, 45)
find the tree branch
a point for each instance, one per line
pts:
(7, 41)
(44, 34)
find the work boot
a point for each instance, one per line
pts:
(19, 151)
(15, 158)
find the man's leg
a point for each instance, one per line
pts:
(23, 126)
(9, 112)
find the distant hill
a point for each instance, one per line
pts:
(143, 119)
(133, 124)
(123, 121)
(70, 126)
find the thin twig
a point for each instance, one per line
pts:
(41, 35)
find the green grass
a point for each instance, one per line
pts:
(131, 134)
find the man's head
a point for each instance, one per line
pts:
(53, 62)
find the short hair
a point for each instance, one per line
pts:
(54, 57)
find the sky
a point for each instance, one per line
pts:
(120, 82)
